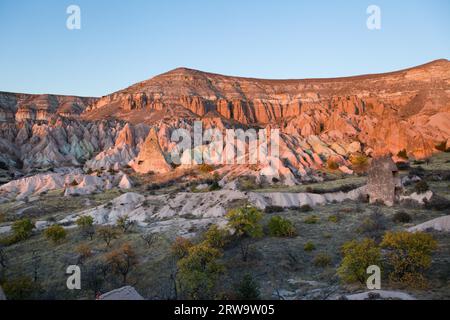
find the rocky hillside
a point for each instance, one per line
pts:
(407, 109)
(322, 121)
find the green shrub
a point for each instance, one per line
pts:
(199, 271)
(334, 218)
(421, 187)
(216, 237)
(280, 227)
(409, 254)
(21, 288)
(124, 223)
(309, 246)
(248, 289)
(273, 209)
(357, 257)
(246, 222)
(402, 217)
(311, 219)
(86, 225)
(322, 260)
(55, 233)
(22, 229)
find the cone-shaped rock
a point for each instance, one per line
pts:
(151, 157)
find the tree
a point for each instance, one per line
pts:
(107, 234)
(248, 289)
(84, 252)
(245, 222)
(150, 238)
(180, 247)
(22, 229)
(55, 233)
(122, 261)
(280, 227)
(409, 254)
(358, 256)
(21, 288)
(199, 270)
(216, 237)
(86, 224)
(124, 223)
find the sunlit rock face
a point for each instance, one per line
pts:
(407, 109)
(321, 121)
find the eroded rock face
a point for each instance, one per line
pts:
(395, 109)
(320, 121)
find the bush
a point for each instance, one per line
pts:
(309, 246)
(334, 218)
(246, 222)
(22, 229)
(311, 219)
(280, 227)
(409, 254)
(374, 225)
(107, 234)
(216, 237)
(305, 208)
(322, 260)
(124, 223)
(437, 203)
(205, 168)
(181, 247)
(122, 261)
(402, 217)
(248, 289)
(332, 165)
(357, 257)
(199, 271)
(273, 209)
(55, 233)
(84, 252)
(359, 160)
(86, 224)
(421, 187)
(402, 154)
(21, 288)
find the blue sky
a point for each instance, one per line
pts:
(123, 42)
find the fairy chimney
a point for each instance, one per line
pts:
(150, 157)
(383, 181)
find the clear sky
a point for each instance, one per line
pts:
(122, 42)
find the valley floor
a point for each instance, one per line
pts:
(281, 266)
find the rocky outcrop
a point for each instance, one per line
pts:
(22, 107)
(150, 157)
(122, 294)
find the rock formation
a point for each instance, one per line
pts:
(151, 157)
(321, 121)
(383, 180)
